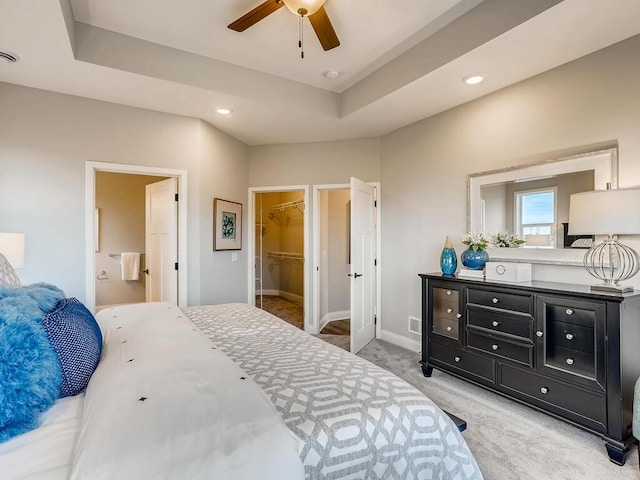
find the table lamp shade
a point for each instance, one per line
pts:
(605, 212)
(12, 247)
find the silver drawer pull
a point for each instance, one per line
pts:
(448, 292)
(495, 323)
(568, 311)
(544, 390)
(457, 359)
(458, 315)
(449, 329)
(569, 336)
(495, 300)
(569, 361)
(494, 347)
(449, 310)
(539, 333)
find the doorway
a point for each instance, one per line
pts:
(279, 258)
(346, 262)
(120, 215)
(115, 224)
(278, 276)
(334, 292)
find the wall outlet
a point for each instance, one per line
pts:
(415, 325)
(234, 257)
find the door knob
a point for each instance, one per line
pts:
(146, 271)
(356, 275)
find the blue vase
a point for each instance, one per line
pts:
(474, 260)
(448, 259)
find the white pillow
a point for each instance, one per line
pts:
(582, 243)
(7, 273)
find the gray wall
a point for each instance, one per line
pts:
(588, 104)
(45, 140)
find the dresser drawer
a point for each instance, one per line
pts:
(516, 302)
(462, 361)
(569, 312)
(446, 327)
(518, 325)
(573, 362)
(584, 407)
(501, 348)
(572, 336)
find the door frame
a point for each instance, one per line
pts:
(316, 252)
(251, 247)
(91, 168)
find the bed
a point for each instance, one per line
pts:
(230, 391)
(356, 420)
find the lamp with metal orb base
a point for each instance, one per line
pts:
(611, 213)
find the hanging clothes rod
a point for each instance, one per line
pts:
(116, 255)
(281, 206)
(283, 255)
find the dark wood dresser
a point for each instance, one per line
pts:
(559, 348)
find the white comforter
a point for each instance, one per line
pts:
(165, 404)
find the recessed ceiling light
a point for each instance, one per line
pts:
(223, 111)
(331, 74)
(473, 79)
(8, 57)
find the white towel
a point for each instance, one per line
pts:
(130, 265)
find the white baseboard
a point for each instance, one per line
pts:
(404, 342)
(271, 293)
(292, 297)
(333, 316)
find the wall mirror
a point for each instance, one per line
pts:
(533, 201)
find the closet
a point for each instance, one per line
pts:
(279, 254)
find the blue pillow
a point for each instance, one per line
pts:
(46, 297)
(30, 375)
(77, 340)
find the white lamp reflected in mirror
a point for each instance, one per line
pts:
(12, 247)
(611, 213)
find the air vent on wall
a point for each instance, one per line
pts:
(415, 325)
(8, 57)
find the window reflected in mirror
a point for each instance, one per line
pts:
(534, 208)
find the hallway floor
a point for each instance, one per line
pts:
(336, 332)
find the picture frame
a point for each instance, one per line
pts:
(227, 225)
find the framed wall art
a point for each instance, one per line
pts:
(227, 225)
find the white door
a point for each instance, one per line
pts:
(161, 241)
(363, 274)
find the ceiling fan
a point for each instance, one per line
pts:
(313, 9)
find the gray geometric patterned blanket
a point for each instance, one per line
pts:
(357, 420)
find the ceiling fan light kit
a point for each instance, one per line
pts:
(311, 9)
(304, 8)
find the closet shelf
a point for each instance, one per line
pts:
(282, 206)
(286, 255)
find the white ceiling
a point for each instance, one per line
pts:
(399, 61)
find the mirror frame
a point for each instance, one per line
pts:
(605, 166)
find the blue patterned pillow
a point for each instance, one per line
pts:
(76, 339)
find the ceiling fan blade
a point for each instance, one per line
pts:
(255, 15)
(324, 30)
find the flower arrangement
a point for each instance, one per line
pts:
(506, 239)
(475, 241)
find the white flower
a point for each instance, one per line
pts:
(476, 241)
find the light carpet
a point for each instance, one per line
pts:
(510, 441)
